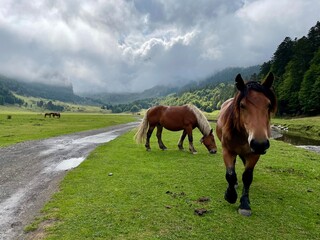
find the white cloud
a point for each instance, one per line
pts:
(133, 45)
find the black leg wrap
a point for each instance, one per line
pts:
(247, 178)
(245, 202)
(231, 193)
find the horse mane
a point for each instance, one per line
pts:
(232, 114)
(203, 123)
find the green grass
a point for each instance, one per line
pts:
(24, 126)
(153, 195)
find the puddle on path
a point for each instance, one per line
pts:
(65, 147)
(69, 164)
(98, 138)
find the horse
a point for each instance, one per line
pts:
(243, 128)
(176, 118)
(47, 114)
(55, 114)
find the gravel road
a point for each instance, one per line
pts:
(31, 171)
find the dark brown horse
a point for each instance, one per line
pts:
(56, 114)
(53, 114)
(176, 118)
(243, 128)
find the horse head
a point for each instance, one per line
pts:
(254, 104)
(209, 142)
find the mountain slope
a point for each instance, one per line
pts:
(61, 93)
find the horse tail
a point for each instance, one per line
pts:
(141, 134)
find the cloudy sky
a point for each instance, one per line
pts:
(132, 45)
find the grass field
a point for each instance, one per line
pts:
(154, 195)
(22, 126)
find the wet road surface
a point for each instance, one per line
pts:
(30, 173)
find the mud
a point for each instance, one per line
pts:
(31, 171)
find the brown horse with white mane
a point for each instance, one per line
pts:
(176, 118)
(243, 128)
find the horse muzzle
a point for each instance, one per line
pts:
(212, 151)
(259, 147)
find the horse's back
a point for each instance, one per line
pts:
(173, 118)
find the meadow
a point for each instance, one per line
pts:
(18, 126)
(155, 195)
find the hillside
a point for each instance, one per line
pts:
(226, 75)
(61, 93)
(208, 95)
(123, 98)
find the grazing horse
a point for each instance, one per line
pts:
(55, 114)
(176, 118)
(243, 127)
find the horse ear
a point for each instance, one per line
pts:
(268, 81)
(240, 83)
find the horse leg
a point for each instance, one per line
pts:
(183, 136)
(231, 177)
(159, 133)
(190, 138)
(149, 133)
(247, 177)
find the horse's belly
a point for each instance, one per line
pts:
(172, 127)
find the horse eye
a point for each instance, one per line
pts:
(242, 106)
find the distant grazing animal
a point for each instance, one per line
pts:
(176, 118)
(53, 114)
(243, 127)
(56, 114)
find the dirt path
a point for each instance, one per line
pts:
(30, 173)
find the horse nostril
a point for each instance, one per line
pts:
(259, 147)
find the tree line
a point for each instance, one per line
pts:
(296, 64)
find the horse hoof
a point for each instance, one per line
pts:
(194, 152)
(148, 149)
(245, 212)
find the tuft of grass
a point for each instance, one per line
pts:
(159, 194)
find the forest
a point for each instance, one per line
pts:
(296, 65)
